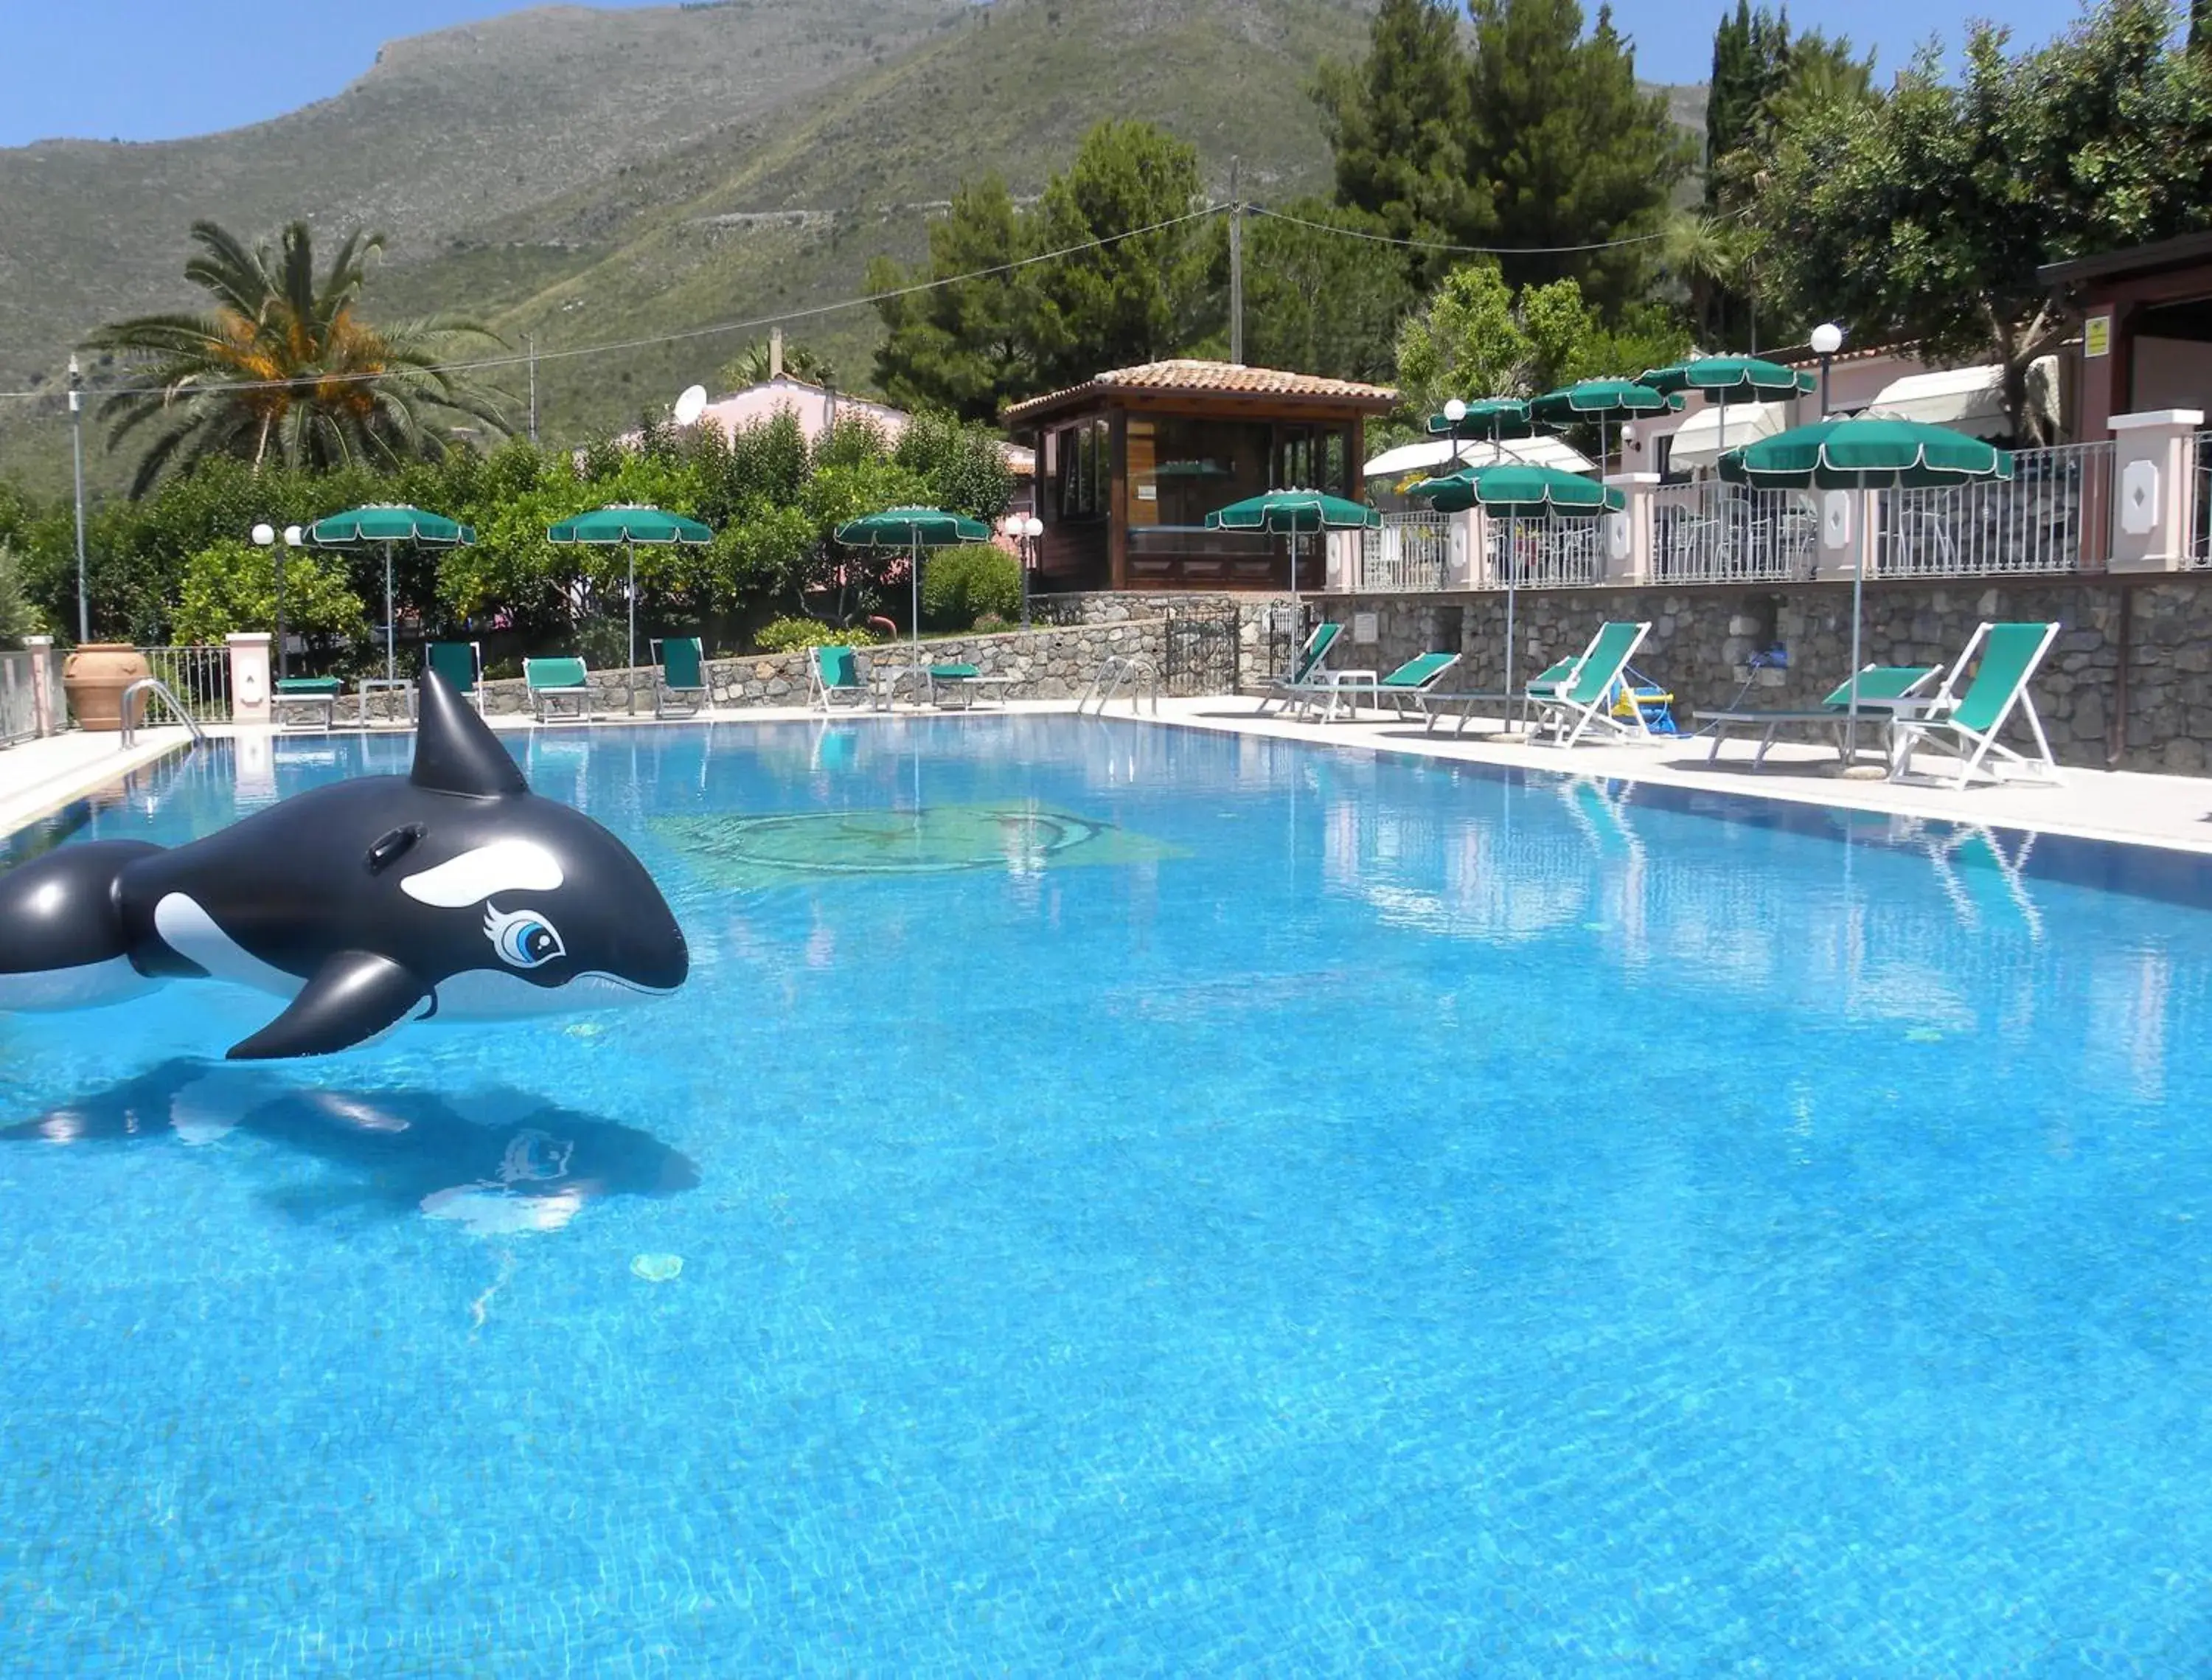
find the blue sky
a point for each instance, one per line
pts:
(135, 69)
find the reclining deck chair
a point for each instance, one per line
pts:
(679, 688)
(833, 673)
(1571, 707)
(554, 683)
(1967, 725)
(1284, 686)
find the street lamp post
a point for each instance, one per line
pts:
(1454, 411)
(1024, 533)
(77, 453)
(1827, 339)
(265, 534)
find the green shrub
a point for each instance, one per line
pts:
(990, 624)
(961, 585)
(17, 617)
(784, 636)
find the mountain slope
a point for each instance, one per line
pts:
(580, 178)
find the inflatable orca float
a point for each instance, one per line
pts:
(453, 892)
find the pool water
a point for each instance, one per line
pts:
(1117, 1198)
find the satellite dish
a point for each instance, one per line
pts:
(691, 405)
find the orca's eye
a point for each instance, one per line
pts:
(524, 939)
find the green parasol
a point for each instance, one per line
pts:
(391, 524)
(1603, 400)
(1294, 514)
(1864, 455)
(1492, 419)
(1722, 379)
(1518, 490)
(629, 524)
(913, 529)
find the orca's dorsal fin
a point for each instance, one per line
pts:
(455, 750)
(353, 996)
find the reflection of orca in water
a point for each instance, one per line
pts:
(453, 892)
(497, 1160)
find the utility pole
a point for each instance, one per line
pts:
(530, 339)
(1236, 263)
(77, 453)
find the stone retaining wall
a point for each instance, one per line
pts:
(1050, 664)
(2137, 650)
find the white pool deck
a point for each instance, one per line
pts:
(2174, 812)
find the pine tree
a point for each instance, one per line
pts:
(1398, 123)
(1572, 150)
(1729, 100)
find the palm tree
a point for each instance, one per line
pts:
(284, 366)
(1707, 255)
(750, 366)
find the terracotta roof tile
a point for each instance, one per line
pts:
(1223, 378)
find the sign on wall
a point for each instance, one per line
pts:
(2097, 336)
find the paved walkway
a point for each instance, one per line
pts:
(37, 777)
(2167, 811)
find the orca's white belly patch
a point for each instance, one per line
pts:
(190, 932)
(85, 986)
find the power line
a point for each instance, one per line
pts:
(686, 336)
(1466, 250)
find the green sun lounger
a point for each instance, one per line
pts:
(556, 684)
(1544, 682)
(1964, 718)
(679, 688)
(834, 673)
(1881, 688)
(461, 664)
(1409, 685)
(1285, 686)
(1571, 706)
(314, 696)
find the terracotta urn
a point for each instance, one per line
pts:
(95, 675)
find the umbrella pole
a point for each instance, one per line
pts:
(390, 656)
(914, 587)
(1852, 717)
(629, 677)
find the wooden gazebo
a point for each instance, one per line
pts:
(1130, 463)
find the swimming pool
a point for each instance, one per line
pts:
(1177, 1203)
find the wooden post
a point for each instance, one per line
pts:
(1117, 500)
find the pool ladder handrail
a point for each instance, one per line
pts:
(1136, 671)
(151, 687)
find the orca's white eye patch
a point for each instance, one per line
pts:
(524, 939)
(504, 865)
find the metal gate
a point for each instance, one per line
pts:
(1201, 651)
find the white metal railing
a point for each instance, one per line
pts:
(1714, 533)
(2200, 537)
(19, 701)
(197, 677)
(1409, 552)
(1542, 553)
(2050, 516)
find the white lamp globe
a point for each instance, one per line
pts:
(1011, 525)
(294, 536)
(1454, 410)
(1033, 526)
(1827, 339)
(265, 534)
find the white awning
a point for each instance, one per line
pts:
(1967, 400)
(1436, 456)
(1700, 440)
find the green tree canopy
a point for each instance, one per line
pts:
(1400, 124)
(1926, 214)
(751, 365)
(964, 346)
(231, 586)
(285, 367)
(1476, 338)
(973, 345)
(1319, 301)
(18, 619)
(1139, 299)
(1522, 132)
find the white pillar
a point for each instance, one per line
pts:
(1462, 545)
(249, 680)
(2154, 489)
(42, 685)
(1628, 532)
(1848, 532)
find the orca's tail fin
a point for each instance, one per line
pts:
(63, 942)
